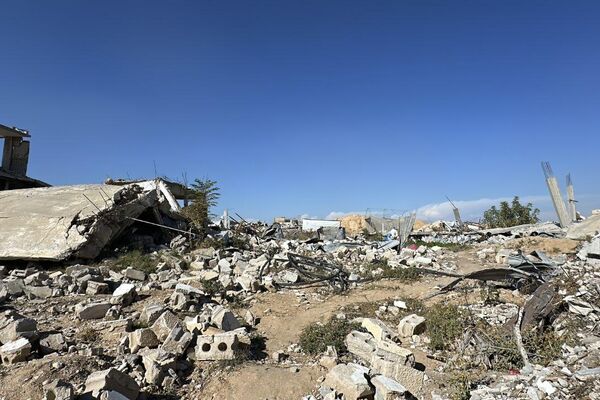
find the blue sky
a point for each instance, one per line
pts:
(310, 107)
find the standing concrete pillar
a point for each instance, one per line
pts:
(571, 198)
(557, 200)
(226, 222)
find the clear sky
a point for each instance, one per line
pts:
(310, 107)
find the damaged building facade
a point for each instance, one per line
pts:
(15, 158)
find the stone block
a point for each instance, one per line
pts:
(157, 363)
(164, 324)
(14, 326)
(134, 274)
(224, 319)
(58, 390)
(150, 313)
(91, 310)
(94, 288)
(53, 342)
(125, 294)
(410, 325)
(378, 329)
(361, 344)
(112, 380)
(144, 337)
(15, 351)
(178, 341)
(412, 379)
(388, 389)
(349, 380)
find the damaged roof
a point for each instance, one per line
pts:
(59, 222)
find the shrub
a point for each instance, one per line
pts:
(135, 259)
(212, 288)
(445, 323)
(511, 214)
(315, 338)
(410, 274)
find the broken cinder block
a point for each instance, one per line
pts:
(216, 347)
(412, 324)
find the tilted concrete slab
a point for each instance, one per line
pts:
(59, 222)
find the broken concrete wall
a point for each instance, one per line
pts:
(74, 221)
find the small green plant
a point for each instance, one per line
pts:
(135, 259)
(409, 274)
(489, 295)
(511, 214)
(315, 338)
(542, 347)
(89, 335)
(212, 288)
(460, 386)
(445, 323)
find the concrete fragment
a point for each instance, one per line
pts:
(157, 363)
(51, 343)
(361, 344)
(112, 380)
(58, 390)
(412, 379)
(349, 380)
(112, 395)
(224, 319)
(39, 292)
(144, 337)
(177, 341)
(134, 274)
(150, 313)
(410, 325)
(216, 347)
(125, 293)
(94, 288)
(91, 310)
(54, 223)
(164, 324)
(388, 389)
(378, 329)
(15, 351)
(14, 326)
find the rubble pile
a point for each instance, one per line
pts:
(163, 321)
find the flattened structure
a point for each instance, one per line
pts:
(76, 221)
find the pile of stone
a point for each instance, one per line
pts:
(383, 368)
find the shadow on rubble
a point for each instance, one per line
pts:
(258, 345)
(161, 397)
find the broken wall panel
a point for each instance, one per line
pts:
(72, 221)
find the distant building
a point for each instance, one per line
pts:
(15, 157)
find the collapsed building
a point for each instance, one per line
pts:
(78, 222)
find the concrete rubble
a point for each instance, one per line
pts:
(168, 319)
(58, 223)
